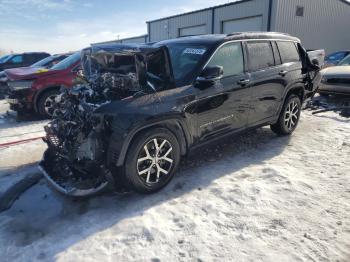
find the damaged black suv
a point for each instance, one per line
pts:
(137, 109)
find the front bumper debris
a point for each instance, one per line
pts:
(62, 184)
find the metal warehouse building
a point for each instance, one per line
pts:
(318, 23)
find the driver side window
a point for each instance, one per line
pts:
(230, 57)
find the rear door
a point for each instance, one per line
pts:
(291, 62)
(223, 107)
(267, 80)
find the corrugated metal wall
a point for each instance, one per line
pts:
(170, 27)
(324, 23)
(134, 40)
(239, 11)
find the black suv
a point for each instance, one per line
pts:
(137, 109)
(21, 60)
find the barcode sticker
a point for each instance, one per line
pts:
(194, 51)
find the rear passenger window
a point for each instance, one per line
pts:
(260, 55)
(288, 52)
(230, 57)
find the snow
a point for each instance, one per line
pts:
(255, 197)
(13, 130)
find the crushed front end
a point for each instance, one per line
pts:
(78, 137)
(74, 161)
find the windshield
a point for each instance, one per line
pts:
(3, 59)
(44, 62)
(66, 63)
(345, 61)
(185, 60)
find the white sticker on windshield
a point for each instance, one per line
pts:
(194, 51)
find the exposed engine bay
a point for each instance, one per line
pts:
(77, 138)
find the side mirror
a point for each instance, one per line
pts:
(211, 74)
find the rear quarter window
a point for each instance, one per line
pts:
(288, 52)
(260, 55)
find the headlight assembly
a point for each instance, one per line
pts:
(20, 85)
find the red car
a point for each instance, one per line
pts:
(35, 90)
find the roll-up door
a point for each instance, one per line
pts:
(193, 30)
(242, 25)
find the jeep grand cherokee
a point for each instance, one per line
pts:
(139, 109)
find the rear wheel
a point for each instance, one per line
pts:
(152, 160)
(289, 117)
(46, 102)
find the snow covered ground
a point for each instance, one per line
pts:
(256, 197)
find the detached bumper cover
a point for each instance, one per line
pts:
(60, 184)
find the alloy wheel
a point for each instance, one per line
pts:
(291, 115)
(49, 105)
(155, 160)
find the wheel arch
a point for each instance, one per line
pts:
(175, 126)
(297, 89)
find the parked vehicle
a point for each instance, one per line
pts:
(36, 91)
(336, 80)
(334, 59)
(345, 61)
(144, 107)
(4, 58)
(317, 56)
(39, 66)
(21, 60)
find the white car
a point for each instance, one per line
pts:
(336, 79)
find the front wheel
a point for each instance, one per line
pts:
(152, 160)
(46, 103)
(289, 117)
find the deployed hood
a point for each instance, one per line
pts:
(150, 65)
(336, 72)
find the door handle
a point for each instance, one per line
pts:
(283, 73)
(243, 82)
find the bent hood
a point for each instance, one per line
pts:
(148, 60)
(28, 73)
(336, 72)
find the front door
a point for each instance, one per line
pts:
(222, 107)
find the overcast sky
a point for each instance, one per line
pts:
(67, 25)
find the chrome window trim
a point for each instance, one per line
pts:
(245, 40)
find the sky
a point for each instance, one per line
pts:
(66, 25)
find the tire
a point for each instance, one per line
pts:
(42, 105)
(146, 173)
(288, 122)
